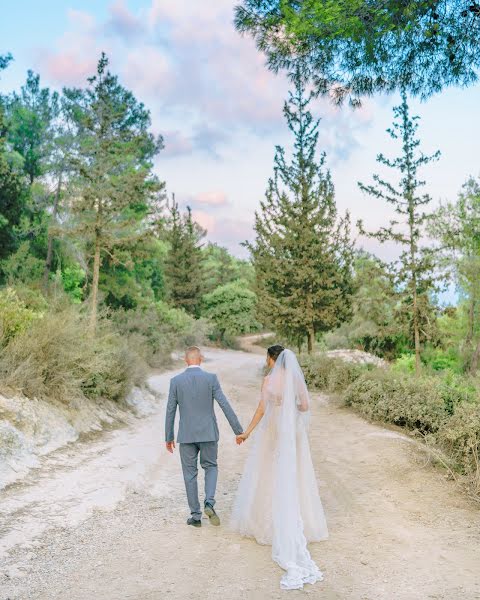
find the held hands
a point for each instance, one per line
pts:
(241, 438)
(170, 446)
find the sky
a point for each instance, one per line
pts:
(220, 109)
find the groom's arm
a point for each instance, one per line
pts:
(170, 417)
(225, 406)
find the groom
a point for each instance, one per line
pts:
(194, 391)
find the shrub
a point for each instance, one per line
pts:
(56, 359)
(416, 403)
(460, 437)
(232, 308)
(330, 374)
(153, 332)
(405, 363)
(15, 317)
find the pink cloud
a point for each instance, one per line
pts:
(205, 220)
(66, 67)
(211, 198)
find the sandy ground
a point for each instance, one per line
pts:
(105, 520)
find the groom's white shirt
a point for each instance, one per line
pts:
(194, 367)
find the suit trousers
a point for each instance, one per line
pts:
(208, 460)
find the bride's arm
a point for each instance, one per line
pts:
(257, 417)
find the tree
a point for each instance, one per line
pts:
(302, 252)
(375, 325)
(415, 270)
(13, 193)
(457, 226)
(222, 268)
(357, 47)
(112, 184)
(231, 307)
(31, 116)
(184, 262)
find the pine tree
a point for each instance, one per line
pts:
(184, 264)
(302, 251)
(414, 273)
(112, 186)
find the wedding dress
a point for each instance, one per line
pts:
(277, 501)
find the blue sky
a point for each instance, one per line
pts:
(220, 110)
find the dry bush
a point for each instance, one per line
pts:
(330, 374)
(416, 403)
(55, 358)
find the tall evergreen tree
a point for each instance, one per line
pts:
(112, 185)
(302, 252)
(415, 269)
(184, 263)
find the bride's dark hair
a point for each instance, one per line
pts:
(275, 351)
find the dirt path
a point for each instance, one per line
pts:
(106, 521)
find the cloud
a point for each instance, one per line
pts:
(217, 198)
(205, 220)
(187, 63)
(123, 22)
(77, 52)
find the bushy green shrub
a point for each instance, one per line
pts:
(232, 308)
(15, 316)
(330, 374)
(405, 363)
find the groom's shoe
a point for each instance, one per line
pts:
(211, 514)
(194, 522)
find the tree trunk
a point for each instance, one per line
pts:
(475, 360)
(95, 280)
(416, 330)
(310, 339)
(48, 260)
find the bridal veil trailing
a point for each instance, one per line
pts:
(277, 501)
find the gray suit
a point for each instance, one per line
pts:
(194, 391)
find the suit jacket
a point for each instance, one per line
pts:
(194, 391)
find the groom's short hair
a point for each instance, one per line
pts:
(193, 353)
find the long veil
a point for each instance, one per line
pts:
(287, 402)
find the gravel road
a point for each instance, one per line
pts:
(105, 519)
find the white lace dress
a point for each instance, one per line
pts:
(277, 502)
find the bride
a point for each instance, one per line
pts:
(277, 501)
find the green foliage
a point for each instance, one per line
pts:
(13, 195)
(73, 280)
(302, 252)
(155, 331)
(184, 265)
(30, 118)
(375, 326)
(22, 266)
(232, 308)
(220, 268)
(405, 363)
(358, 47)
(15, 316)
(456, 225)
(414, 274)
(112, 188)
